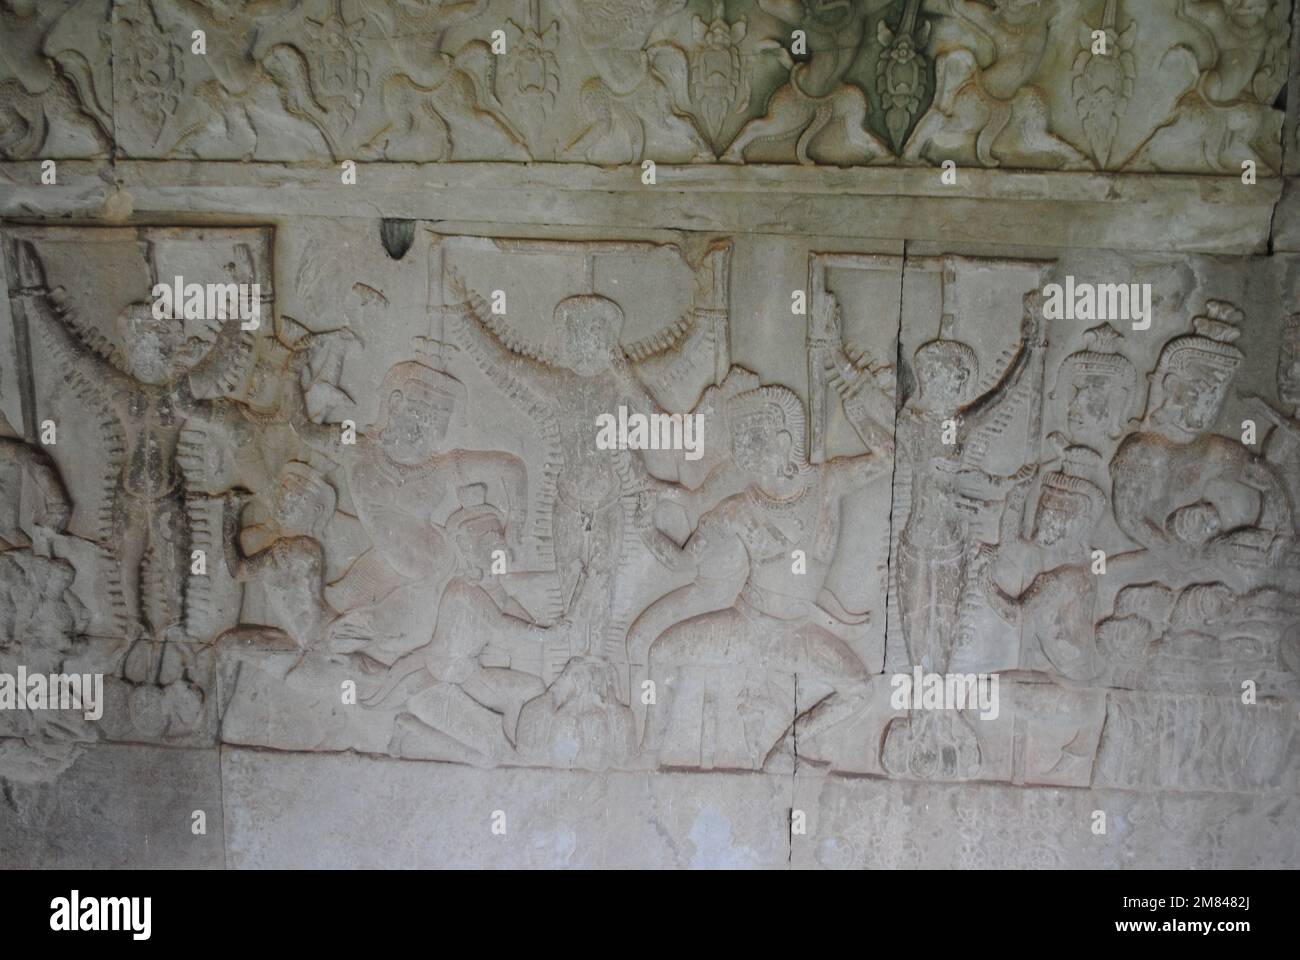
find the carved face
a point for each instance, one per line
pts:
(155, 351)
(1093, 405)
(478, 540)
(759, 446)
(417, 422)
(943, 380)
(1288, 372)
(1248, 13)
(298, 508)
(589, 325)
(1194, 396)
(1058, 522)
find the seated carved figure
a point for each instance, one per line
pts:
(403, 482)
(464, 689)
(1054, 612)
(1189, 496)
(724, 651)
(984, 89)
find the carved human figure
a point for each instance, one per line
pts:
(978, 98)
(816, 95)
(34, 506)
(288, 571)
(599, 494)
(41, 618)
(146, 387)
(932, 433)
(403, 482)
(724, 651)
(1053, 613)
(464, 689)
(1187, 495)
(39, 614)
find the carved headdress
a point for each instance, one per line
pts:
(1100, 357)
(1210, 344)
(422, 378)
(1067, 489)
(776, 408)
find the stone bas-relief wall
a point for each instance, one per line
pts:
(395, 534)
(359, 518)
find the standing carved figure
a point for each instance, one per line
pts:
(146, 385)
(932, 544)
(600, 495)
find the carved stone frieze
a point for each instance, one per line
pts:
(522, 398)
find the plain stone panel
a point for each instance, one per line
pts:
(875, 824)
(117, 807)
(314, 810)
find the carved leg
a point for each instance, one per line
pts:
(788, 112)
(849, 109)
(504, 691)
(168, 561)
(999, 117)
(131, 534)
(953, 72)
(1032, 119)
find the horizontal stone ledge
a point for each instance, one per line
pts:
(338, 810)
(1118, 211)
